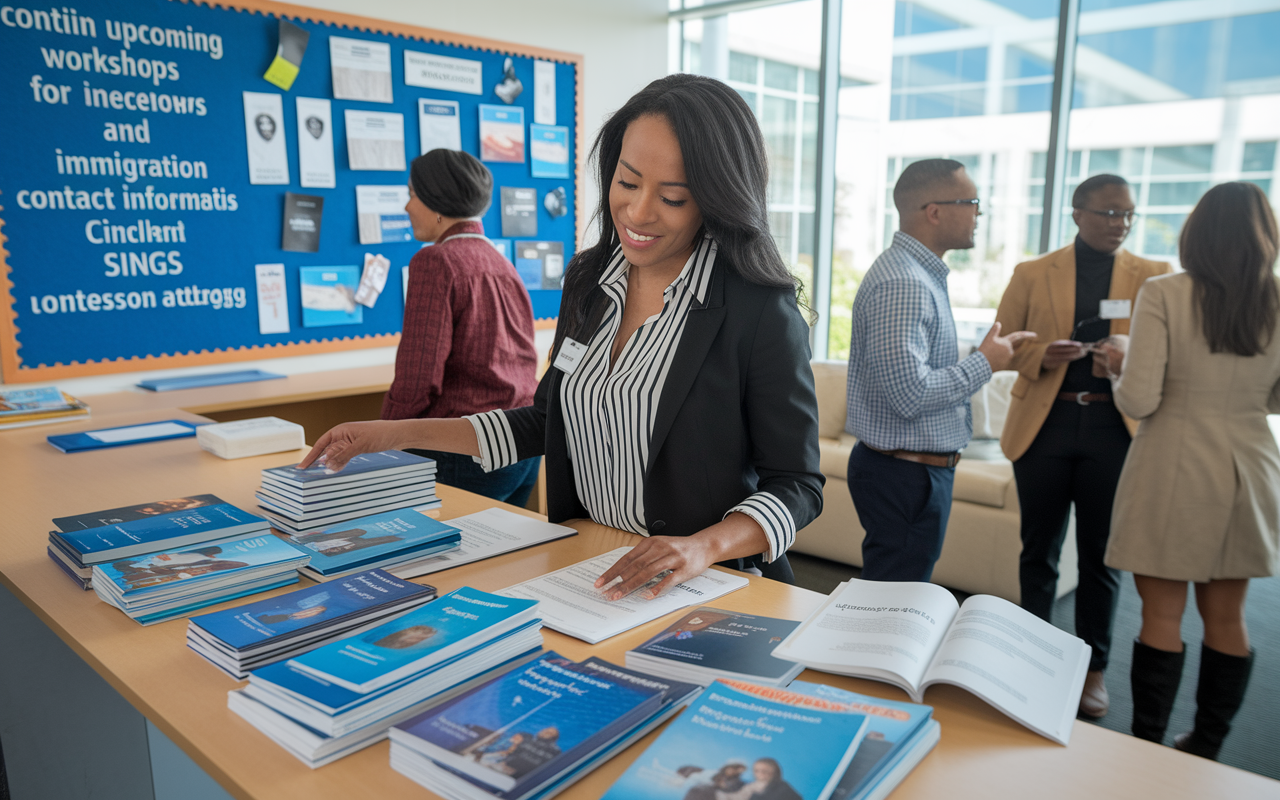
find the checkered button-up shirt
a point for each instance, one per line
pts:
(908, 388)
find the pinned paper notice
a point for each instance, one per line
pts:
(373, 279)
(544, 92)
(273, 306)
(1115, 309)
(288, 61)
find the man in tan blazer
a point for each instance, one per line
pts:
(1063, 433)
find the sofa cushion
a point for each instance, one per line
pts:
(830, 379)
(834, 455)
(987, 483)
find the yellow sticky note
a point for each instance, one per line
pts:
(281, 73)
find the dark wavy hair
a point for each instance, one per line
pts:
(1229, 246)
(727, 171)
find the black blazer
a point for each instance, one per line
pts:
(738, 414)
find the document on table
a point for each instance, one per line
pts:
(264, 136)
(375, 140)
(490, 533)
(361, 69)
(315, 143)
(570, 603)
(138, 433)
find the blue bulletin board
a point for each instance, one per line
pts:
(129, 228)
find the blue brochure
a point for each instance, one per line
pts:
(417, 641)
(893, 728)
(723, 641)
(329, 295)
(375, 539)
(526, 727)
(211, 379)
(223, 559)
(729, 739)
(121, 436)
(392, 461)
(296, 613)
(163, 532)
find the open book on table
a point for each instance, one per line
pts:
(914, 635)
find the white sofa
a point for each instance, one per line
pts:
(980, 552)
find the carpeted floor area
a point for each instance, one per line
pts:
(1254, 743)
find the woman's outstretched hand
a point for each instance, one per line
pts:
(339, 445)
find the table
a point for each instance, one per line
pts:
(983, 754)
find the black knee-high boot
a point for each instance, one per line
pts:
(1223, 680)
(1155, 676)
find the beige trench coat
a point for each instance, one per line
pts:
(1199, 498)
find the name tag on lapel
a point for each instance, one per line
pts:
(570, 356)
(1115, 309)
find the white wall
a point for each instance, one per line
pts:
(624, 43)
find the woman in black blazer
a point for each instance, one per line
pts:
(680, 400)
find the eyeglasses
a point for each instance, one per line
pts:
(972, 201)
(1127, 217)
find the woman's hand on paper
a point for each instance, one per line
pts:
(680, 558)
(339, 445)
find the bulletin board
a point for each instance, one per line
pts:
(90, 156)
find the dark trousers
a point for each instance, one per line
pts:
(904, 507)
(507, 485)
(1076, 458)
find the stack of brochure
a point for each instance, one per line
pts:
(708, 644)
(533, 731)
(99, 537)
(397, 540)
(733, 743)
(300, 500)
(241, 639)
(155, 587)
(344, 696)
(21, 408)
(251, 437)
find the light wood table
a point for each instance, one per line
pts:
(982, 754)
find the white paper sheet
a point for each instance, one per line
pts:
(372, 279)
(570, 603)
(375, 140)
(361, 69)
(315, 144)
(432, 71)
(490, 533)
(264, 134)
(438, 125)
(136, 433)
(381, 216)
(544, 93)
(273, 301)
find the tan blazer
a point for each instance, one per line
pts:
(1041, 297)
(1199, 497)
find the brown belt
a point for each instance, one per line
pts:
(929, 459)
(1084, 398)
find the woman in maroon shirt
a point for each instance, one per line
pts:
(467, 340)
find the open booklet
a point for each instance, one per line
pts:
(914, 635)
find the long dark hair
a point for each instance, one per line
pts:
(725, 163)
(1229, 247)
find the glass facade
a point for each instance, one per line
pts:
(1175, 96)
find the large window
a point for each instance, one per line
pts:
(1174, 95)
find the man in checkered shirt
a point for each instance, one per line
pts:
(908, 390)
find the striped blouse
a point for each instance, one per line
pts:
(609, 413)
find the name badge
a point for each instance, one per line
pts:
(1115, 309)
(570, 356)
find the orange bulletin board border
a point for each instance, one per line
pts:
(11, 367)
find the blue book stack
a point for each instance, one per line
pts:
(772, 743)
(709, 644)
(301, 500)
(245, 638)
(396, 540)
(154, 587)
(344, 696)
(154, 533)
(533, 731)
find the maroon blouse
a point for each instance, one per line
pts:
(467, 340)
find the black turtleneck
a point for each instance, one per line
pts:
(1093, 284)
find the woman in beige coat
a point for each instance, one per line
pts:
(1199, 497)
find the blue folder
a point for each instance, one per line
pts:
(212, 379)
(77, 442)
